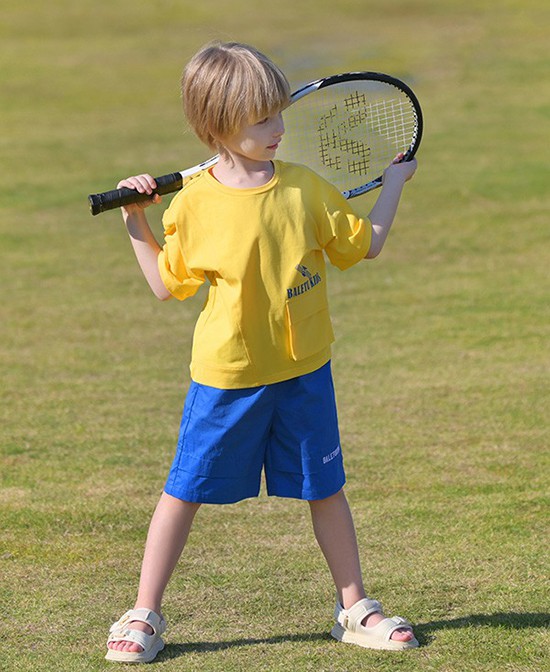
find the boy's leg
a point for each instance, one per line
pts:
(168, 532)
(335, 534)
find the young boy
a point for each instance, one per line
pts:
(257, 230)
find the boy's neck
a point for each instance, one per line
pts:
(242, 173)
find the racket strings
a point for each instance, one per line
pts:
(347, 134)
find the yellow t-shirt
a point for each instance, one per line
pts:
(266, 318)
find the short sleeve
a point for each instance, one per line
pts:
(180, 281)
(349, 238)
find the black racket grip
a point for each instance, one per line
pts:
(116, 198)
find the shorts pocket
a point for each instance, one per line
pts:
(308, 325)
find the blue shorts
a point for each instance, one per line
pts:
(228, 437)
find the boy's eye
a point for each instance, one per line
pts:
(262, 121)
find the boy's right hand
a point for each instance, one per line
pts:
(144, 184)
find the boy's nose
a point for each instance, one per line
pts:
(280, 129)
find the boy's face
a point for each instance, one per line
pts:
(258, 142)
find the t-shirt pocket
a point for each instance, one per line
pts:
(308, 325)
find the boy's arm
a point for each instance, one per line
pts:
(383, 213)
(145, 245)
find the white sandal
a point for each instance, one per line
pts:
(150, 644)
(348, 627)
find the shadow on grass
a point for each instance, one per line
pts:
(176, 650)
(425, 633)
(512, 621)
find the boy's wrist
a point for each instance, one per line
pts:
(394, 178)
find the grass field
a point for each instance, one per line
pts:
(441, 363)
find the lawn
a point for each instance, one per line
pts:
(441, 361)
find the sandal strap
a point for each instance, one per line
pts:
(351, 618)
(387, 627)
(151, 618)
(134, 636)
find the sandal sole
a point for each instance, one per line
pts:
(130, 657)
(343, 635)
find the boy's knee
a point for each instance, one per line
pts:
(327, 500)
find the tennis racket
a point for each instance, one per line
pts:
(348, 128)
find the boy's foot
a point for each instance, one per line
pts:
(136, 637)
(131, 647)
(364, 624)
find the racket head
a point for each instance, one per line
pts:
(350, 127)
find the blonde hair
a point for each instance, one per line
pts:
(227, 85)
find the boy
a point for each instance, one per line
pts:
(257, 229)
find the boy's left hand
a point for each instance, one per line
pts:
(402, 169)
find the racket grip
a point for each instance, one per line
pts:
(116, 198)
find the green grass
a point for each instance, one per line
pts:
(441, 363)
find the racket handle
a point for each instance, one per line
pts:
(117, 198)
